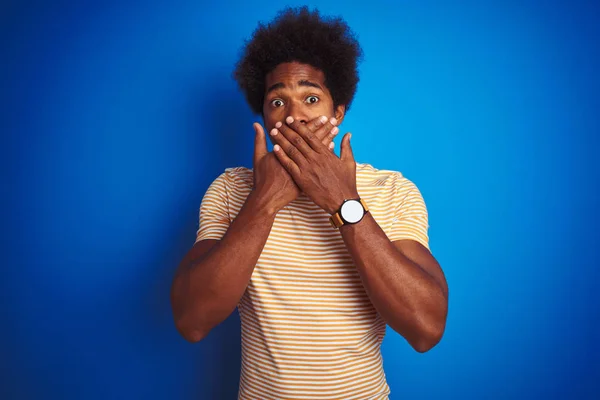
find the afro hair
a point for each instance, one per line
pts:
(297, 34)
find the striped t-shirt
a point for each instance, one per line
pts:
(309, 330)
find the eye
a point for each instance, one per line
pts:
(277, 103)
(312, 99)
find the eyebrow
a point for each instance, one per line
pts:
(281, 85)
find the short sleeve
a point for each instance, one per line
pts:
(410, 214)
(214, 214)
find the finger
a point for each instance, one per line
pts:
(329, 135)
(316, 123)
(290, 149)
(322, 128)
(304, 134)
(331, 147)
(346, 153)
(294, 138)
(260, 142)
(327, 131)
(290, 166)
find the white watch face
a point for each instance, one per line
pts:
(352, 211)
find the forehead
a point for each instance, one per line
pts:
(292, 72)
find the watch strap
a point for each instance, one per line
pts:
(336, 220)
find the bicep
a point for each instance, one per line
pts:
(421, 256)
(198, 251)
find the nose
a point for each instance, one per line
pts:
(298, 111)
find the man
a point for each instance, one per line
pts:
(318, 252)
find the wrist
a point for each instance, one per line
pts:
(261, 205)
(351, 212)
(339, 200)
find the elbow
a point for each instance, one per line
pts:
(430, 335)
(186, 320)
(427, 342)
(189, 331)
(192, 336)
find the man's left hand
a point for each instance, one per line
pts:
(326, 178)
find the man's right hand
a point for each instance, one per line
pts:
(271, 180)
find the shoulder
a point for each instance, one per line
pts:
(367, 174)
(236, 178)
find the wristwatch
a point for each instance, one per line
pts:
(351, 212)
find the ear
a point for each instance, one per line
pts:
(340, 112)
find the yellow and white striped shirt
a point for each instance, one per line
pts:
(309, 330)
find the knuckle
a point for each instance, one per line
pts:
(292, 151)
(323, 132)
(297, 141)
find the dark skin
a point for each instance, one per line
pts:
(292, 89)
(403, 280)
(214, 274)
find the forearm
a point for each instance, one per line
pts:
(406, 296)
(207, 289)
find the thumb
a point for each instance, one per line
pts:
(260, 142)
(346, 152)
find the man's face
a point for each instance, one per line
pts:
(298, 90)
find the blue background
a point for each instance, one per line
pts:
(115, 118)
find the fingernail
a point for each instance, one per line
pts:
(349, 136)
(289, 119)
(278, 125)
(333, 121)
(273, 132)
(335, 130)
(323, 119)
(276, 147)
(331, 146)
